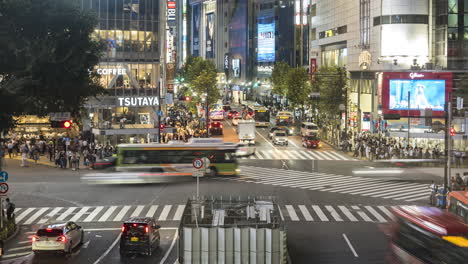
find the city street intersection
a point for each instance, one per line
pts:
(334, 210)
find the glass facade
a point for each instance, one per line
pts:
(130, 30)
(335, 57)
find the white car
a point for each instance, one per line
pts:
(280, 138)
(235, 120)
(60, 237)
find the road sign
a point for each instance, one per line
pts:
(198, 173)
(59, 116)
(3, 176)
(197, 163)
(3, 188)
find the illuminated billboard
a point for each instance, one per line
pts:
(210, 23)
(427, 90)
(196, 30)
(423, 94)
(266, 42)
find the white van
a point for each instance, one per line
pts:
(309, 129)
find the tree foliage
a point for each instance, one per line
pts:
(279, 78)
(332, 84)
(47, 57)
(200, 74)
(299, 89)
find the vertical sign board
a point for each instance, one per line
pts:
(210, 24)
(171, 12)
(196, 30)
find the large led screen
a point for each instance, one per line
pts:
(423, 94)
(266, 42)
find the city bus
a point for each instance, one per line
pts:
(175, 159)
(261, 116)
(458, 204)
(423, 235)
(285, 120)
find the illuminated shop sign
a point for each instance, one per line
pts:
(416, 75)
(104, 71)
(138, 101)
(171, 10)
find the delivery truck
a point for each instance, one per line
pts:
(246, 132)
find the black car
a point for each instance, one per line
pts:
(216, 128)
(139, 235)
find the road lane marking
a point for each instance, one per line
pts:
(386, 191)
(152, 210)
(108, 250)
(320, 213)
(50, 215)
(122, 213)
(334, 213)
(307, 154)
(292, 213)
(292, 142)
(66, 213)
(165, 212)
(16, 255)
(24, 242)
(36, 215)
(281, 213)
(265, 139)
(416, 199)
(376, 214)
(93, 214)
(107, 213)
(137, 210)
(350, 245)
(314, 154)
(362, 214)
(385, 211)
(24, 214)
(170, 248)
(414, 193)
(179, 212)
(305, 213)
(79, 214)
(17, 248)
(347, 213)
(384, 185)
(327, 154)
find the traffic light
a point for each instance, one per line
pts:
(161, 126)
(187, 98)
(452, 131)
(61, 124)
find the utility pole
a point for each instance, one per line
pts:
(448, 117)
(409, 117)
(206, 113)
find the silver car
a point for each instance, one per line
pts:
(280, 138)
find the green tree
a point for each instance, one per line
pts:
(47, 57)
(279, 78)
(201, 77)
(298, 87)
(332, 83)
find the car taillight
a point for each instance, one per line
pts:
(35, 238)
(123, 228)
(61, 238)
(146, 229)
(49, 230)
(209, 126)
(221, 126)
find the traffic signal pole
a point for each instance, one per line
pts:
(448, 139)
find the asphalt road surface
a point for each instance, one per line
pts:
(334, 205)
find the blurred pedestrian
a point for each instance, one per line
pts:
(10, 208)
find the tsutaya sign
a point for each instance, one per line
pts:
(138, 101)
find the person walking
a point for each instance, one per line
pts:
(2, 156)
(10, 208)
(10, 149)
(24, 155)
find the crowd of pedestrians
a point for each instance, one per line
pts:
(376, 146)
(63, 152)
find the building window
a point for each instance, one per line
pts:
(313, 34)
(452, 33)
(364, 13)
(401, 19)
(333, 32)
(453, 20)
(453, 6)
(313, 10)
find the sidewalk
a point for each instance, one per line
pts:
(42, 161)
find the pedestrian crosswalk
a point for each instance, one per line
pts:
(274, 154)
(326, 182)
(166, 213)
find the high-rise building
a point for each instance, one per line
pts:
(129, 69)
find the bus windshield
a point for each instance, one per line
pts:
(262, 116)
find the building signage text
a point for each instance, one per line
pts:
(171, 10)
(138, 101)
(104, 71)
(416, 75)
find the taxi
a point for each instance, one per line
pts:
(311, 142)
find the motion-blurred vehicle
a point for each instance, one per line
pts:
(235, 120)
(246, 132)
(139, 235)
(423, 235)
(458, 204)
(216, 128)
(308, 129)
(107, 162)
(280, 138)
(311, 142)
(227, 108)
(231, 114)
(59, 237)
(273, 130)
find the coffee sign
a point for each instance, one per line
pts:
(138, 101)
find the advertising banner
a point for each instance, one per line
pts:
(423, 94)
(196, 29)
(266, 41)
(210, 35)
(236, 70)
